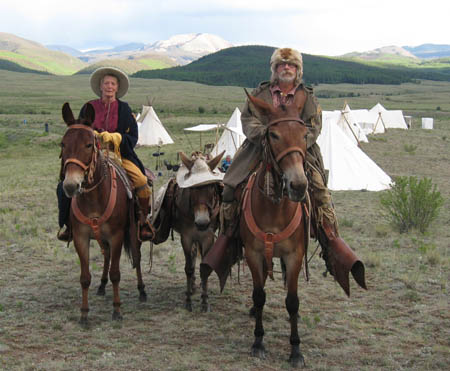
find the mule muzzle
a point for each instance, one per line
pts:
(296, 188)
(202, 220)
(72, 185)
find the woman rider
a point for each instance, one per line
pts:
(115, 124)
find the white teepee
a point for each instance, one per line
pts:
(348, 123)
(151, 130)
(232, 136)
(349, 167)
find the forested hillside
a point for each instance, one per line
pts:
(248, 65)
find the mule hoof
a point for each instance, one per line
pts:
(84, 323)
(297, 361)
(142, 297)
(259, 352)
(206, 308)
(116, 316)
(188, 307)
(101, 291)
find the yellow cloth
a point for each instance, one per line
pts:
(114, 138)
(139, 180)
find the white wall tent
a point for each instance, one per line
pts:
(344, 121)
(151, 130)
(349, 167)
(232, 136)
(367, 121)
(389, 118)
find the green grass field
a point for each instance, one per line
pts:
(401, 322)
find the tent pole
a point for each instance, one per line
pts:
(350, 127)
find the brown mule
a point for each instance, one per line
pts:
(100, 208)
(273, 223)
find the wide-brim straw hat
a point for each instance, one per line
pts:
(200, 174)
(101, 72)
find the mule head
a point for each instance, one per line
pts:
(204, 200)
(78, 150)
(286, 139)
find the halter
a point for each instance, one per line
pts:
(289, 150)
(273, 161)
(90, 167)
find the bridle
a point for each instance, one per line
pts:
(291, 149)
(273, 162)
(89, 168)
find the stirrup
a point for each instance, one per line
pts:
(142, 229)
(64, 234)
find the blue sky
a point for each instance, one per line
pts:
(323, 27)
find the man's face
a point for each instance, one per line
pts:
(109, 86)
(286, 72)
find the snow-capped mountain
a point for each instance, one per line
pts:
(200, 43)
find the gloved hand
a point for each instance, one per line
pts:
(106, 136)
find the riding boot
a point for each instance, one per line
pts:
(64, 234)
(339, 257)
(146, 230)
(228, 216)
(224, 253)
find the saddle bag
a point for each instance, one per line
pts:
(163, 221)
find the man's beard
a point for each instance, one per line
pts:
(286, 76)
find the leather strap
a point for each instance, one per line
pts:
(269, 239)
(284, 153)
(282, 119)
(96, 222)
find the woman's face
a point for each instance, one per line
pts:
(109, 87)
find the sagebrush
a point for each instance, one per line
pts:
(412, 203)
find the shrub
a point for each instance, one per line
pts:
(412, 203)
(201, 109)
(410, 148)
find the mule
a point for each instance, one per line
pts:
(273, 215)
(193, 212)
(100, 208)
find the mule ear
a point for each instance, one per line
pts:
(215, 161)
(67, 114)
(186, 160)
(263, 107)
(88, 114)
(299, 100)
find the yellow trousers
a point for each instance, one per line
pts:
(139, 180)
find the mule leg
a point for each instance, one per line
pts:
(114, 273)
(82, 246)
(259, 275)
(189, 269)
(140, 286)
(205, 271)
(104, 280)
(293, 267)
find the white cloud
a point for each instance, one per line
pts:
(319, 27)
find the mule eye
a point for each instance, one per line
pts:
(89, 145)
(62, 145)
(273, 135)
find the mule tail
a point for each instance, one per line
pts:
(130, 242)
